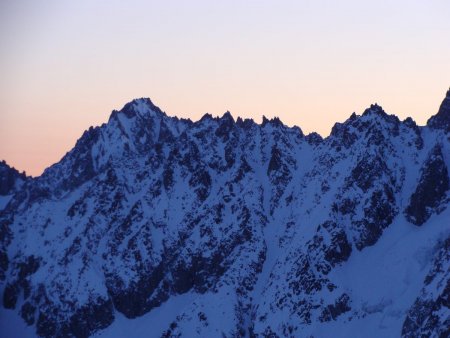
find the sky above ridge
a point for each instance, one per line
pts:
(66, 64)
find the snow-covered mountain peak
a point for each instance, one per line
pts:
(442, 119)
(154, 226)
(377, 113)
(227, 117)
(143, 107)
(206, 117)
(375, 108)
(373, 127)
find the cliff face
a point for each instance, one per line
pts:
(224, 227)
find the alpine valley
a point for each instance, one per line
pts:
(154, 226)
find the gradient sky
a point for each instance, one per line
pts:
(66, 64)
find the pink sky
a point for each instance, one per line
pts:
(66, 64)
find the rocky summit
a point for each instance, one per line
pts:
(154, 226)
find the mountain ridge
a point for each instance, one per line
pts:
(259, 226)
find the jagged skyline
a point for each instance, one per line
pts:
(65, 65)
(242, 120)
(232, 228)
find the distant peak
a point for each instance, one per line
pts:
(206, 117)
(378, 111)
(246, 123)
(226, 125)
(314, 138)
(373, 120)
(442, 119)
(9, 177)
(145, 100)
(5, 166)
(227, 116)
(276, 122)
(141, 107)
(374, 109)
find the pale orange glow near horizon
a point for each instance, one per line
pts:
(66, 65)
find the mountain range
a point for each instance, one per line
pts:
(155, 226)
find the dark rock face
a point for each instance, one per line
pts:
(85, 320)
(429, 315)
(370, 187)
(275, 160)
(10, 296)
(367, 171)
(314, 139)
(5, 240)
(226, 125)
(9, 179)
(431, 189)
(442, 119)
(333, 311)
(201, 181)
(339, 249)
(410, 123)
(141, 297)
(23, 270)
(379, 214)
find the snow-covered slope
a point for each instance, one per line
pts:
(157, 226)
